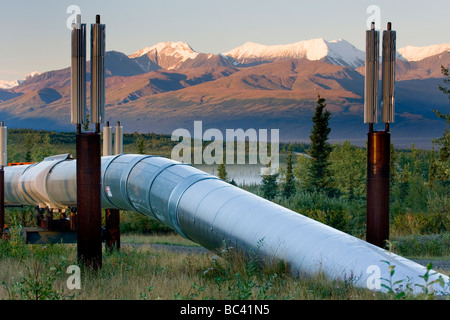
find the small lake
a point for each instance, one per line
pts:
(243, 174)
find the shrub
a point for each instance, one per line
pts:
(347, 215)
(421, 223)
(135, 222)
(422, 245)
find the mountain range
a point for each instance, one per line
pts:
(169, 85)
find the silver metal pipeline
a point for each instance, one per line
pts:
(211, 212)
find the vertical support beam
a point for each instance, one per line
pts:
(107, 140)
(379, 142)
(2, 200)
(49, 219)
(78, 73)
(89, 213)
(112, 224)
(118, 139)
(97, 72)
(388, 73)
(3, 163)
(378, 170)
(73, 219)
(371, 76)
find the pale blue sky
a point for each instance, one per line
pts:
(34, 35)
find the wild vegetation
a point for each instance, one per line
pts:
(41, 272)
(420, 211)
(419, 220)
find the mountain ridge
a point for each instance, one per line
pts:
(339, 52)
(227, 93)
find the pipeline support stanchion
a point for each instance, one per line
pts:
(378, 170)
(112, 225)
(3, 163)
(2, 200)
(379, 142)
(89, 213)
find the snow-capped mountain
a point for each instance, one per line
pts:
(164, 86)
(5, 84)
(411, 53)
(174, 55)
(338, 52)
(168, 55)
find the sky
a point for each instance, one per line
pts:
(34, 34)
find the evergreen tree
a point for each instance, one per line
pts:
(393, 166)
(29, 142)
(86, 123)
(320, 149)
(289, 184)
(348, 168)
(42, 148)
(222, 170)
(140, 143)
(442, 164)
(269, 184)
(432, 169)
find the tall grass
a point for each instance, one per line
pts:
(142, 273)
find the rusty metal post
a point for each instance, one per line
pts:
(73, 219)
(112, 225)
(89, 211)
(378, 169)
(49, 219)
(2, 200)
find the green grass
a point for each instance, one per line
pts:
(432, 247)
(141, 273)
(167, 239)
(144, 272)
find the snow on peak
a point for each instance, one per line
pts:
(177, 49)
(6, 84)
(337, 51)
(32, 74)
(342, 52)
(311, 49)
(412, 53)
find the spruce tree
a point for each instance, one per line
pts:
(269, 184)
(320, 149)
(289, 185)
(222, 170)
(140, 143)
(442, 164)
(432, 172)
